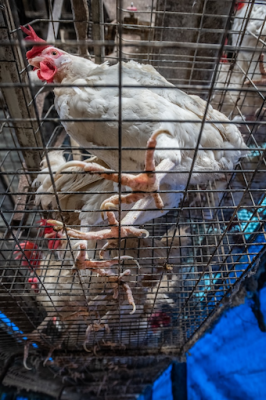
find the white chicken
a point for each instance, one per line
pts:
(154, 286)
(248, 29)
(80, 194)
(146, 111)
(74, 302)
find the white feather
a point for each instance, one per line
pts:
(246, 66)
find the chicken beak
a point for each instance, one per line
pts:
(35, 62)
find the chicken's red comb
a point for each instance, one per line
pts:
(28, 253)
(32, 36)
(239, 5)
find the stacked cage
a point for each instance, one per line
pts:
(200, 249)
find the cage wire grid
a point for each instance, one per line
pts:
(195, 254)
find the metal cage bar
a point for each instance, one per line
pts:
(199, 251)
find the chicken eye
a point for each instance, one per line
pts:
(54, 53)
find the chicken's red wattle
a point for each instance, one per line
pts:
(47, 71)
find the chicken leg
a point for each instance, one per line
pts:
(111, 234)
(262, 81)
(116, 280)
(82, 262)
(146, 182)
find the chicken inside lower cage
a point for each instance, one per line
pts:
(94, 294)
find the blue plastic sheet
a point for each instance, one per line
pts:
(229, 363)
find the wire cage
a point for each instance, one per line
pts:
(199, 251)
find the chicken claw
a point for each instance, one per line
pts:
(56, 346)
(130, 297)
(39, 335)
(95, 327)
(57, 225)
(146, 182)
(26, 354)
(262, 81)
(118, 281)
(109, 233)
(82, 263)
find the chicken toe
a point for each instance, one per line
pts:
(262, 81)
(83, 263)
(143, 184)
(111, 233)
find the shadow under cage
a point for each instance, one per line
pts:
(90, 262)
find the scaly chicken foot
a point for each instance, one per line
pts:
(113, 201)
(134, 215)
(109, 233)
(82, 263)
(42, 338)
(36, 336)
(125, 231)
(56, 346)
(143, 200)
(117, 280)
(94, 327)
(146, 182)
(26, 355)
(262, 81)
(129, 295)
(58, 343)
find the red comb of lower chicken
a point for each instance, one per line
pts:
(30, 256)
(159, 320)
(239, 5)
(50, 233)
